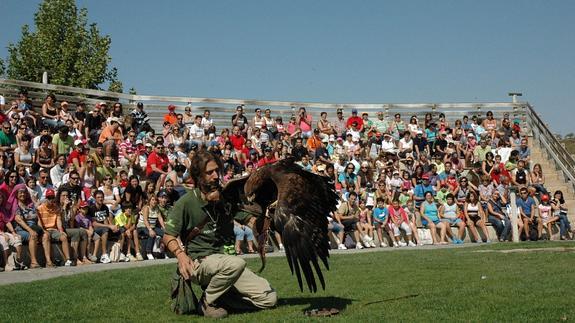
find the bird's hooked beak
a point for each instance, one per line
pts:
(251, 198)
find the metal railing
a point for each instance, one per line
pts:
(541, 133)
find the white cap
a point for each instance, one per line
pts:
(78, 142)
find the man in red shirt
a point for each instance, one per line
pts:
(268, 157)
(157, 164)
(354, 118)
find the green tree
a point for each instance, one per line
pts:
(72, 51)
(2, 67)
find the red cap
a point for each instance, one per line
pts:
(425, 176)
(83, 204)
(544, 198)
(50, 193)
(171, 107)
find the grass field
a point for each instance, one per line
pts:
(461, 284)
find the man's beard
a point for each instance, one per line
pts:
(211, 190)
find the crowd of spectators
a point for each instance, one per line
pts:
(98, 181)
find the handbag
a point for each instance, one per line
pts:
(183, 299)
(115, 252)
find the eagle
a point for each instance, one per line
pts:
(296, 203)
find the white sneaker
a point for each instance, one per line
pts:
(68, 263)
(132, 258)
(139, 257)
(341, 246)
(150, 256)
(372, 244)
(282, 249)
(105, 259)
(166, 256)
(395, 244)
(411, 244)
(123, 258)
(381, 244)
(358, 246)
(402, 244)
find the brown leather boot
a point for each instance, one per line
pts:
(212, 311)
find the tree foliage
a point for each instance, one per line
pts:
(72, 51)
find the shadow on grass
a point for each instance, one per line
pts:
(317, 302)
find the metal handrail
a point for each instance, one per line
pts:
(560, 155)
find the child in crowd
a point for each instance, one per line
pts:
(126, 223)
(82, 221)
(398, 219)
(448, 212)
(364, 225)
(546, 216)
(380, 218)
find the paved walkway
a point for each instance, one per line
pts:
(47, 273)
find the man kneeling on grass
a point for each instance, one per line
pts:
(206, 228)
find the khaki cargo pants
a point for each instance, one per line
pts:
(226, 279)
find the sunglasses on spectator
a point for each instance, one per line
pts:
(75, 178)
(43, 177)
(13, 176)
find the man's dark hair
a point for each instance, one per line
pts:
(198, 168)
(99, 192)
(353, 193)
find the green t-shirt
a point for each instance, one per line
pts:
(7, 140)
(441, 196)
(63, 146)
(190, 210)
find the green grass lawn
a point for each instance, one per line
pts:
(458, 284)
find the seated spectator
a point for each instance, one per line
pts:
(50, 114)
(348, 215)
(520, 176)
(448, 212)
(102, 221)
(82, 221)
(560, 211)
(111, 195)
(106, 170)
(171, 117)
(151, 225)
(111, 136)
(430, 219)
(7, 138)
(243, 232)
(50, 220)
(9, 238)
(157, 163)
(77, 235)
(364, 225)
(62, 142)
(498, 217)
(398, 219)
(546, 216)
(475, 217)
(538, 180)
(524, 152)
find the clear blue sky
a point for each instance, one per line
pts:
(339, 51)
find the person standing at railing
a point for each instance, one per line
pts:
(339, 123)
(240, 120)
(140, 117)
(304, 121)
(171, 117)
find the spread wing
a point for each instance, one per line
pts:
(304, 201)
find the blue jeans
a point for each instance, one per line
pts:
(503, 228)
(149, 244)
(564, 225)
